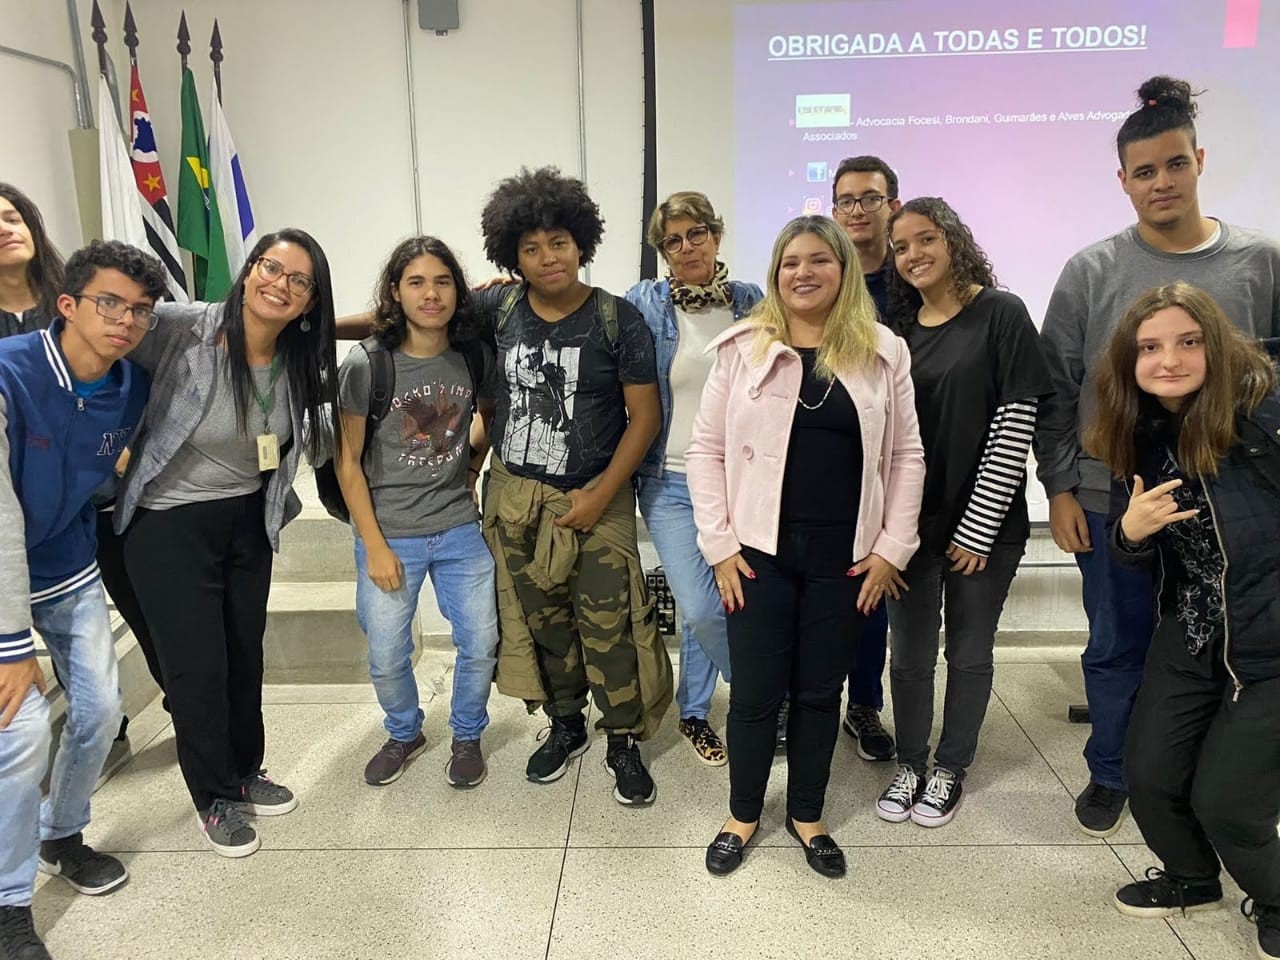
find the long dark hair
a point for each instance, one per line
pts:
(389, 321)
(45, 271)
(309, 358)
(969, 264)
(1238, 375)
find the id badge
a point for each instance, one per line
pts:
(268, 451)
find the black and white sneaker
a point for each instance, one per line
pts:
(900, 796)
(18, 937)
(1161, 895)
(1268, 921)
(863, 724)
(939, 799)
(564, 741)
(76, 862)
(1100, 810)
(632, 784)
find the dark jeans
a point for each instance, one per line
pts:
(866, 676)
(795, 634)
(1120, 604)
(972, 613)
(202, 573)
(1204, 770)
(116, 579)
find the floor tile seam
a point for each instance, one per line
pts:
(568, 833)
(1036, 747)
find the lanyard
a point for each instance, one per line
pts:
(269, 401)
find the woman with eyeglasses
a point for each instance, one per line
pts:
(979, 376)
(685, 311)
(241, 389)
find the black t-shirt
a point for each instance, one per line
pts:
(822, 482)
(985, 356)
(560, 411)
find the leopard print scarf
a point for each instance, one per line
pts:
(699, 296)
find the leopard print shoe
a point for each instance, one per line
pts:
(706, 742)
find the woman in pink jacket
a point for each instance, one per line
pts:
(805, 470)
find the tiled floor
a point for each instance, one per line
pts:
(514, 871)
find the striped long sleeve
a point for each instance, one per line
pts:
(1000, 472)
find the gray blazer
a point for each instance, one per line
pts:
(180, 354)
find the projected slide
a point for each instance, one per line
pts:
(1008, 109)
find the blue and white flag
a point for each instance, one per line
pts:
(232, 196)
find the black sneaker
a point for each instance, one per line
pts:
(564, 740)
(863, 724)
(1100, 810)
(392, 757)
(939, 799)
(263, 797)
(18, 939)
(225, 829)
(1268, 921)
(1160, 895)
(784, 717)
(81, 866)
(633, 786)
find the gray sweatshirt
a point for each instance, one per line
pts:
(1241, 270)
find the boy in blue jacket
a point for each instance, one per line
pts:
(68, 406)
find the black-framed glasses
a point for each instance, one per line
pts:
(869, 203)
(696, 237)
(113, 309)
(271, 270)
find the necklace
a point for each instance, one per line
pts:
(818, 405)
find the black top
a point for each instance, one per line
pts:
(985, 356)
(560, 410)
(822, 482)
(11, 324)
(878, 286)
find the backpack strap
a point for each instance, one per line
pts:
(607, 308)
(382, 383)
(473, 353)
(510, 297)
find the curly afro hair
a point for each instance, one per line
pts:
(541, 199)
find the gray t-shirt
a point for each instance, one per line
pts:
(1241, 271)
(417, 460)
(220, 460)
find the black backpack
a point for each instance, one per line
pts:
(382, 385)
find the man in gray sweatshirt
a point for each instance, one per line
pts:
(1160, 165)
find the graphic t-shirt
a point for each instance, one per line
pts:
(987, 355)
(417, 460)
(560, 411)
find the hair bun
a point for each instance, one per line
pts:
(1168, 93)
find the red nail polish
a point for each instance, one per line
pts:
(752, 575)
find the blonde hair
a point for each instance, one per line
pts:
(849, 337)
(684, 203)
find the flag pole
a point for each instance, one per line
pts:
(130, 34)
(184, 39)
(215, 54)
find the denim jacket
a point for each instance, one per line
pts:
(653, 299)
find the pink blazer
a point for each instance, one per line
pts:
(738, 451)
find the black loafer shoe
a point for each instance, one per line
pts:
(822, 853)
(724, 855)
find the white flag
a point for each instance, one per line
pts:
(121, 207)
(228, 188)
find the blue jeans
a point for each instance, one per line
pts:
(866, 683)
(24, 755)
(704, 643)
(1120, 604)
(461, 570)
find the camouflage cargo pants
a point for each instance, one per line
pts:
(581, 631)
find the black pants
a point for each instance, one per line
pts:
(116, 579)
(1204, 769)
(202, 573)
(796, 633)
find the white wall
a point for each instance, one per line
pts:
(315, 94)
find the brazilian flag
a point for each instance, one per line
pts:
(199, 226)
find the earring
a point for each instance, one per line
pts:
(305, 325)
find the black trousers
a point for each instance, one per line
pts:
(796, 633)
(1204, 768)
(202, 573)
(116, 579)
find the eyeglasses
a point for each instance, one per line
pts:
(696, 237)
(113, 309)
(271, 270)
(870, 203)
